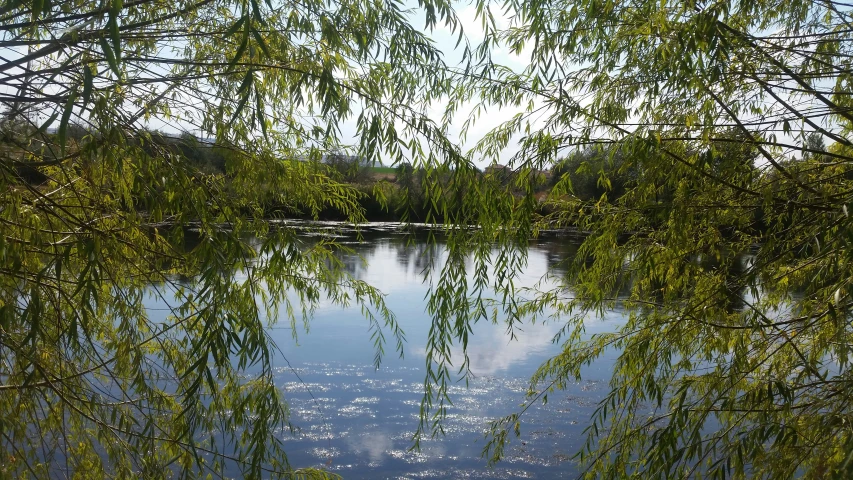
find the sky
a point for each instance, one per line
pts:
(445, 41)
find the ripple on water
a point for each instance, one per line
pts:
(367, 400)
(325, 453)
(361, 423)
(579, 401)
(591, 385)
(467, 419)
(496, 473)
(352, 411)
(384, 385)
(471, 390)
(516, 385)
(539, 454)
(409, 457)
(549, 433)
(313, 435)
(303, 386)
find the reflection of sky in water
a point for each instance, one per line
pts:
(395, 267)
(358, 421)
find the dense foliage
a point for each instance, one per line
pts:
(99, 216)
(702, 145)
(728, 246)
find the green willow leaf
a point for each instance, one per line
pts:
(110, 56)
(66, 117)
(88, 81)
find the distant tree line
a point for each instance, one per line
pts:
(602, 172)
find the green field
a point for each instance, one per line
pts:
(383, 170)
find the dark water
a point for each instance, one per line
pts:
(358, 421)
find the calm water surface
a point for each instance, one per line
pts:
(357, 421)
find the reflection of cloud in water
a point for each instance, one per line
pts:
(373, 444)
(491, 351)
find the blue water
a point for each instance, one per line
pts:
(358, 421)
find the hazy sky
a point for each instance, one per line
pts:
(444, 40)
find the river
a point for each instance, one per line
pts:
(355, 420)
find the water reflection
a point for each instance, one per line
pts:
(359, 421)
(492, 352)
(369, 418)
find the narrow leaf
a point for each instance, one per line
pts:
(111, 59)
(233, 28)
(263, 44)
(63, 123)
(88, 79)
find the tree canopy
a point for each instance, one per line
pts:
(99, 214)
(723, 124)
(729, 249)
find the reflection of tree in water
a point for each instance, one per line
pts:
(561, 256)
(352, 263)
(559, 253)
(413, 252)
(360, 253)
(425, 256)
(728, 272)
(737, 278)
(403, 254)
(356, 258)
(187, 240)
(410, 250)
